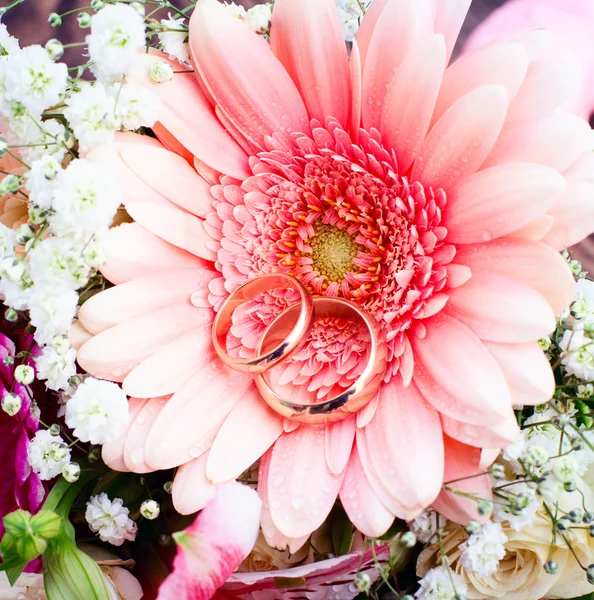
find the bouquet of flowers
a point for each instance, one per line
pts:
(287, 310)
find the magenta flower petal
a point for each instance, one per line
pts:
(212, 548)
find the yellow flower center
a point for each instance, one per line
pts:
(333, 252)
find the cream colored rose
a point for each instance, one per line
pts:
(265, 558)
(521, 574)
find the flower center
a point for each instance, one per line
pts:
(332, 252)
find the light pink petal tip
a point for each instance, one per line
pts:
(212, 548)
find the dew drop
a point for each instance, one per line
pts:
(275, 505)
(278, 481)
(137, 455)
(297, 502)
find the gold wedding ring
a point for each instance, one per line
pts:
(344, 403)
(292, 341)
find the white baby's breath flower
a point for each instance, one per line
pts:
(110, 520)
(34, 79)
(519, 519)
(8, 44)
(91, 114)
(116, 38)
(582, 309)
(483, 550)
(426, 526)
(258, 18)
(86, 199)
(39, 136)
(51, 310)
(7, 241)
(236, 10)
(40, 181)
(15, 294)
(439, 584)
(58, 261)
(578, 354)
(97, 412)
(56, 369)
(350, 14)
(136, 107)
(175, 42)
(47, 454)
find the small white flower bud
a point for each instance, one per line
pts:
(55, 429)
(71, 472)
(11, 404)
(12, 268)
(97, 5)
(4, 146)
(66, 138)
(138, 7)
(61, 344)
(485, 507)
(84, 20)
(565, 468)
(408, 539)
(363, 582)
(37, 215)
(25, 233)
(545, 343)
(161, 72)
(11, 184)
(585, 390)
(55, 49)
(11, 315)
(150, 509)
(55, 20)
(535, 456)
(58, 451)
(24, 374)
(94, 256)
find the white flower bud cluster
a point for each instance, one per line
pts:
(257, 18)
(351, 13)
(110, 520)
(47, 454)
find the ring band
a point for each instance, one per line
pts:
(348, 401)
(290, 344)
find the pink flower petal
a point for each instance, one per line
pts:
(190, 420)
(461, 140)
(301, 488)
(574, 216)
(113, 452)
(218, 541)
(540, 267)
(368, 25)
(248, 431)
(554, 140)
(449, 17)
(171, 176)
(498, 435)
(141, 296)
(175, 226)
(137, 434)
(78, 335)
(410, 99)
(132, 251)
(307, 38)
(166, 370)
(499, 308)
(527, 371)
(222, 44)
(196, 126)
(477, 395)
(360, 502)
(402, 25)
(462, 463)
(338, 439)
(357, 92)
(496, 64)
(192, 489)
(116, 351)
(535, 230)
(405, 424)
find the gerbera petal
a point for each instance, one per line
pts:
(498, 64)
(137, 434)
(171, 176)
(132, 251)
(540, 267)
(498, 435)
(405, 424)
(411, 98)
(307, 38)
(112, 453)
(402, 25)
(175, 226)
(535, 230)
(357, 92)
(461, 140)
(556, 140)
(248, 431)
(338, 439)
(462, 464)
(301, 488)
(360, 502)
(574, 216)
(192, 489)
(449, 17)
(78, 335)
(499, 308)
(497, 201)
(230, 57)
(212, 548)
(196, 126)
(477, 395)
(141, 296)
(116, 351)
(368, 24)
(527, 371)
(165, 371)
(190, 420)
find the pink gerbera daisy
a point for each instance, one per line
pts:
(434, 197)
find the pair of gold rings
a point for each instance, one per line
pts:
(286, 335)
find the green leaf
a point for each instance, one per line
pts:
(15, 572)
(586, 597)
(342, 533)
(396, 528)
